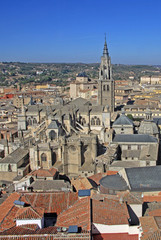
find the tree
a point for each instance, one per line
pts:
(130, 117)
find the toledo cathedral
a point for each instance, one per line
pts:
(68, 136)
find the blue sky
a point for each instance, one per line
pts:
(73, 30)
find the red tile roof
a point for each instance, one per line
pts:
(20, 230)
(29, 232)
(8, 220)
(97, 177)
(148, 225)
(54, 202)
(81, 183)
(130, 197)
(155, 213)
(44, 172)
(110, 212)
(8, 204)
(8, 211)
(78, 214)
(155, 236)
(149, 198)
(30, 213)
(111, 172)
(116, 236)
(51, 203)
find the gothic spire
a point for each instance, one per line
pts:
(105, 49)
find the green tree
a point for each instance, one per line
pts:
(130, 117)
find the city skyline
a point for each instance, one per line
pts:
(73, 31)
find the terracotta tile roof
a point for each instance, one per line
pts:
(8, 204)
(111, 172)
(81, 183)
(78, 214)
(20, 230)
(101, 196)
(116, 236)
(29, 229)
(81, 236)
(48, 230)
(97, 177)
(130, 197)
(8, 211)
(54, 202)
(152, 206)
(44, 172)
(158, 221)
(155, 236)
(32, 232)
(156, 198)
(155, 212)
(53, 171)
(50, 202)
(110, 212)
(8, 220)
(30, 213)
(148, 225)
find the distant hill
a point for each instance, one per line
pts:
(61, 73)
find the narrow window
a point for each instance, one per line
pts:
(43, 157)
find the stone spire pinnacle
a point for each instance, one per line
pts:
(105, 49)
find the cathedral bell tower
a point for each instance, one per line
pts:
(105, 82)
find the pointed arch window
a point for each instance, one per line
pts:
(29, 121)
(83, 121)
(9, 168)
(43, 157)
(98, 122)
(34, 121)
(92, 121)
(52, 135)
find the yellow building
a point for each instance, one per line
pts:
(150, 80)
(44, 86)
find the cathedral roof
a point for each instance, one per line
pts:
(53, 125)
(139, 178)
(128, 138)
(123, 120)
(125, 164)
(96, 109)
(82, 74)
(79, 102)
(15, 156)
(148, 127)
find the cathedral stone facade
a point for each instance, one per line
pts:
(65, 136)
